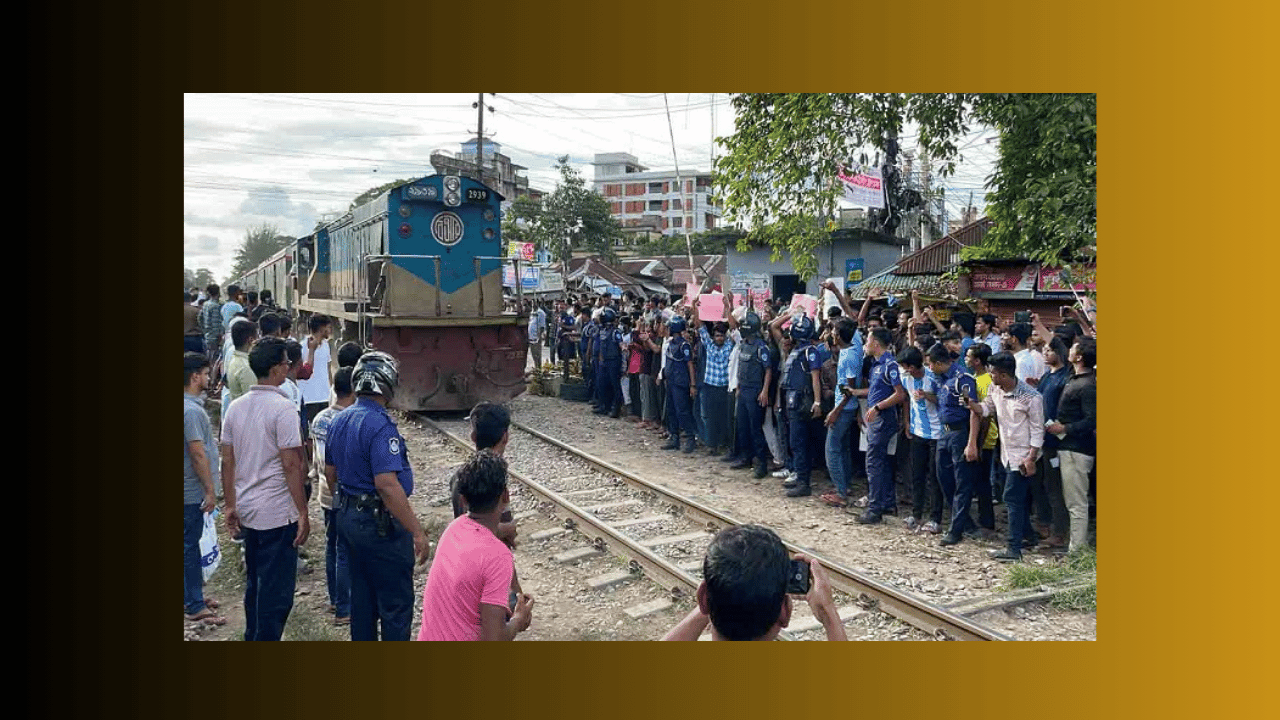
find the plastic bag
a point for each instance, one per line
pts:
(210, 556)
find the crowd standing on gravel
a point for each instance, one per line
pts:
(953, 411)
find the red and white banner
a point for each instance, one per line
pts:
(863, 186)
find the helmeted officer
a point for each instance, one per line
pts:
(678, 376)
(755, 373)
(609, 342)
(802, 397)
(366, 459)
(587, 352)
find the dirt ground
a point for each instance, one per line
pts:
(888, 552)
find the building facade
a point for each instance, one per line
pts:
(499, 172)
(657, 201)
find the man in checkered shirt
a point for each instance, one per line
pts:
(718, 349)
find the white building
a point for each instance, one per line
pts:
(656, 201)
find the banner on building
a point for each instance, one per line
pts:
(862, 186)
(1016, 278)
(529, 277)
(853, 270)
(520, 251)
(1082, 276)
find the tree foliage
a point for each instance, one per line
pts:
(710, 242)
(779, 169)
(372, 193)
(259, 244)
(523, 222)
(199, 279)
(576, 217)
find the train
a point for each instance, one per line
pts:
(416, 272)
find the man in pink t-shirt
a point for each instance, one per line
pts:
(467, 589)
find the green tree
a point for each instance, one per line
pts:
(576, 217)
(260, 243)
(199, 279)
(524, 222)
(779, 168)
(710, 242)
(372, 193)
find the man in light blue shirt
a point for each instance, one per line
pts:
(537, 329)
(844, 417)
(923, 430)
(232, 305)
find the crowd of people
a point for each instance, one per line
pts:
(954, 407)
(962, 408)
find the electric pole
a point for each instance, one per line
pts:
(480, 108)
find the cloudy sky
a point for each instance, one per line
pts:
(286, 159)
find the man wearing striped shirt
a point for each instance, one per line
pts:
(923, 430)
(1020, 413)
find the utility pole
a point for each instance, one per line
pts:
(928, 201)
(480, 107)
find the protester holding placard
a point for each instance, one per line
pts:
(717, 349)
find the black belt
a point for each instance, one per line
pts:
(363, 502)
(956, 426)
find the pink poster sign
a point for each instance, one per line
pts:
(1016, 278)
(711, 307)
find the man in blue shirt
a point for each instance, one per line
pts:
(585, 341)
(717, 349)
(884, 395)
(367, 460)
(678, 377)
(842, 419)
(958, 474)
(923, 429)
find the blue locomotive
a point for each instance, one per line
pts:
(417, 272)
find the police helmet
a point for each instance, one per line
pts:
(608, 316)
(751, 325)
(677, 325)
(802, 328)
(375, 373)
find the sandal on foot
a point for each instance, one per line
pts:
(834, 499)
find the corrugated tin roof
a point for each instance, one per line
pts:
(888, 281)
(936, 257)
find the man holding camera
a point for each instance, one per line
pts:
(747, 589)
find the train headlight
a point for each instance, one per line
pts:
(488, 215)
(488, 233)
(452, 184)
(405, 230)
(405, 210)
(452, 199)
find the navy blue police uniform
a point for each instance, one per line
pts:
(803, 428)
(885, 375)
(676, 377)
(754, 361)
(587, 349)
(364, 442)
(610, 369)
(960, 479)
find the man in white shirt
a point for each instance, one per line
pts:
(1031, 366)
(537, 327)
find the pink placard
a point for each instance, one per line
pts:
(711, 307)
(691, 291)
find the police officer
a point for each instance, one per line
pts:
(678, 376)
(755, 373)
(586, 348)
(959, 476)
(366, 459)
(802, 397)
(565, 346)
(609, 342)
(884, 394)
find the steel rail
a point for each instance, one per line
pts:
(933, 619)
(676, 581)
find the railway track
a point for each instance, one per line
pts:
(663, 535)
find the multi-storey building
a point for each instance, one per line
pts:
(499, 172)
(656, 201)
